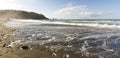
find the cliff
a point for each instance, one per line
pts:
(18, 14)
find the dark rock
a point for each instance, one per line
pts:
(25, 47)
(4, 45)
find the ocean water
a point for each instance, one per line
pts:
(99, 37)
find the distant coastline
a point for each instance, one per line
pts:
(19, 14)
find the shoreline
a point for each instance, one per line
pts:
(44, 51)
(35, 52)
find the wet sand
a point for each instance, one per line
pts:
(43, 51)
(77, 41)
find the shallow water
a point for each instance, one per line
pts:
(87, 38)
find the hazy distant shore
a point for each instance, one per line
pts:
(20, 14)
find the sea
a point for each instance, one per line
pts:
(99, 37)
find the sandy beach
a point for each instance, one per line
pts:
(44, 39)
(59, 29)
(43, 51)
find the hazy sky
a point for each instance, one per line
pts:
(108, 9)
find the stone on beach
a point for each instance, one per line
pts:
(25, 48)
(66, 56)
(54, 54)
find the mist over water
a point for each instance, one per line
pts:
(94, 37)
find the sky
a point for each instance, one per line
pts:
(67, 9)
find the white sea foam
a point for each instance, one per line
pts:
(108, 24)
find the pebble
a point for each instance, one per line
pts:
(54, 54)
(66, 56)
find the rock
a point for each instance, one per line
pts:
(66, 56)
(54, 54)
(25, 48)
(4, 45)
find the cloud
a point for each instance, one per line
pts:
(9, 4)
(78, 11)
(70, 9)
(86, 14)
